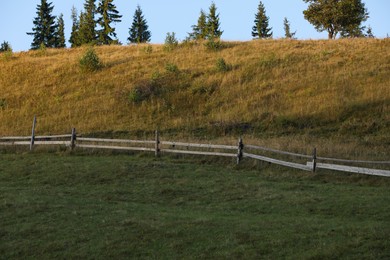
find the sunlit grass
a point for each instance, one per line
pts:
(322, 89)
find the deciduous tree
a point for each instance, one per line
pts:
(337, 16)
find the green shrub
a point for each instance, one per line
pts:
(90, 62)
(170, 67)
(5, 47)
(143, 91)
(148, 49)
(171, 42)
(213, 44)
(222, 66)
(3, 103)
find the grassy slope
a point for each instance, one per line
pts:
(121, 206)
(332, 89)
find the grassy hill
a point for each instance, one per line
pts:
(273, 88)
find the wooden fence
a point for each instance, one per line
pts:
(239, 151)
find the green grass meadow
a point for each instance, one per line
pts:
(88, 206)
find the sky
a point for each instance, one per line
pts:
(163, 16)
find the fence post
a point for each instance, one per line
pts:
(33, 133)
(314, 159)
(73, 139)
(157, 146)
(240, 148)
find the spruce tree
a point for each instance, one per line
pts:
(199, 31)
(87, 30)
(213, 24)
(139, 32)
(74, 39)
(287, 30)
(108, 15)
(60, 32)
(369, 33)
(44, 26)
(261, 29)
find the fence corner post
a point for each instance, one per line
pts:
(157, 146)
(314, 160)
(33, 133)
(73, 139)
(240, 149)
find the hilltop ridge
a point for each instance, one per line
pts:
(268, 87)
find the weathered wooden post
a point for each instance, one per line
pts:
(239, 152)
(314, 160)
(157, 146)
(33, 133)
(73, 139)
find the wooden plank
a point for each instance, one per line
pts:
(277, 151)
(210, 146)
(352, 169)
(36, 143)
(85, 139)
(33, 133)
(52, 136)
(52, 143)
(279, 162)
(115, 147)
(198, 153)
(351, 161)
(15, 138)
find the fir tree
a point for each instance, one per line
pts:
(44, 26)
(369, 33)
(60, 32)
(287, 30)
(74, 39)
(139, 32)
(108, 15)
(213, 24)
(199, 31)
(87, 30)
(261, 29)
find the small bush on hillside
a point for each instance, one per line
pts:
(222, 66)
(143, 91)
(90, 61)
(3, 103)
(5, 47)
(213, 44)
(148, 49)
(170, 67)
(171, 42)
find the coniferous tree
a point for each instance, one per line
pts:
(369, 33)
(139, 32)
(60, 32)
(74, 39)
(108, 15)
(213, 24)
(199, 31)
(87, 30)
(261, 29)
(44, 26)
(287, 30)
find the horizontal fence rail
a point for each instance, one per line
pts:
(313, 162)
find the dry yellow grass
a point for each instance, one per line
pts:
(327, 89)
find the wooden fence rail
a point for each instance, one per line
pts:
(157, 146)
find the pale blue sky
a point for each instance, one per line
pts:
(179, 15)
